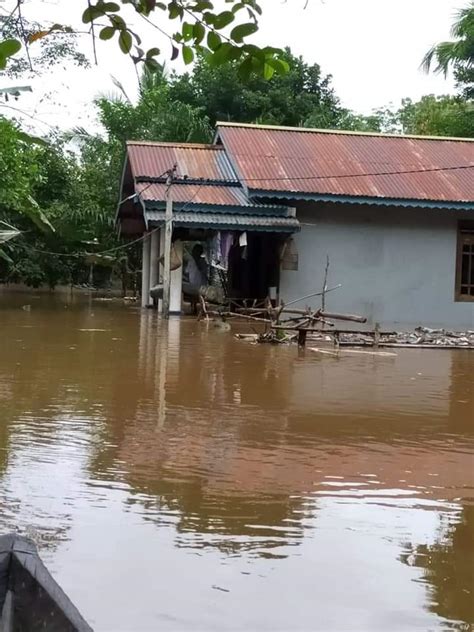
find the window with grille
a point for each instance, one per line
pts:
(465, 262)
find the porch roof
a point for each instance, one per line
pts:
(224, 221)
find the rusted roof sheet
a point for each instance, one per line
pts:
(225, 221)
(205, 191)
(197, 162)
(197, 195)
(315, 162)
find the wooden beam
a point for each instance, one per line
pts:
(352, 317)
(302, 337)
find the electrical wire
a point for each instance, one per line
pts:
(144, 236)
(358, 175)
(187, 180)
(204, 182)
(129, 197)
(129, 243)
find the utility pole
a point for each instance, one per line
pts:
(168, 240)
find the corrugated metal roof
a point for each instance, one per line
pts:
(207, 162)
(225, 221)
(206, 192)
(199, 195)
(194, 194)
(303, 161)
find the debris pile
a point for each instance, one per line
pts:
(422, 337)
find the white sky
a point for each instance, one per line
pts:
(372, 48)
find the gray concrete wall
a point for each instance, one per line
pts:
(397, 266)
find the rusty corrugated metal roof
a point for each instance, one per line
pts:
(197, 162)
(205, 191)
(304, 161)
(197, 195)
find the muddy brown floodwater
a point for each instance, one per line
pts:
(175, 478)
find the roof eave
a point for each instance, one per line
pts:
(225, 223)
(354, 199)
(253, 209)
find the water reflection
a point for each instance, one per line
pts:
(448, 569)
(253, 469)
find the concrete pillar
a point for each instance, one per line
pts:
(177, 282)
(160, 272)
(145, 270)
(154, 256)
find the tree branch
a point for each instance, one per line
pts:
(23, 34)
(93, 36)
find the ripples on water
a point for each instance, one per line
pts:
(178, 479)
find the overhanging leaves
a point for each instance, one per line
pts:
(203, 30)
(32, 210)
(31, 140)
(8, 48)
(241, 31)
(6, 235)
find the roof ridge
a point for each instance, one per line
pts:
(152, 143)
(315, 130)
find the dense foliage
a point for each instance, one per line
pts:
(457, 54)
(45, 193)
(217, 30)
(300, 97)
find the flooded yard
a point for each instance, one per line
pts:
(175, 478)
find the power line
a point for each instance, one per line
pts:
(121, 246)
(145, 235)
(358, 175)
(203, 182)
(129, 197)
(189, 180)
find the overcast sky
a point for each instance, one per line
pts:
(372, 48)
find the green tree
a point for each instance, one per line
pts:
(457, 54)
(20, 173)
(303, 96)
(437, 116)
(47, 194)
(46, 53)
(157, 115)
(21, 178)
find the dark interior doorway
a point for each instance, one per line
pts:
(254, 268)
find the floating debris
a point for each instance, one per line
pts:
(421, 337)
(94, 330)
(385, 354)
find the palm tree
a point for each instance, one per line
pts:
(459, 53)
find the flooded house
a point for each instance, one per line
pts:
(271, 206)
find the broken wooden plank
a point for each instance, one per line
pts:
(247, 337)
(324, 351)
(376, 353)
(386, 354)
